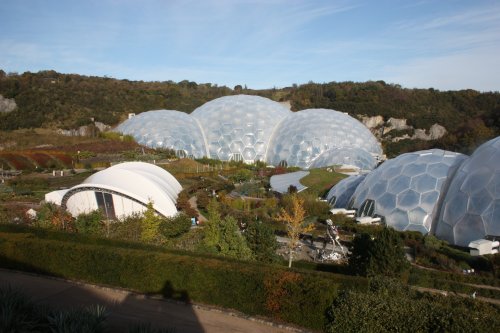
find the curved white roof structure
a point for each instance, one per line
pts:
(239, 127)
(471, 207)
(124, 189)
(303, 136)
(167, 129)
(406, 190)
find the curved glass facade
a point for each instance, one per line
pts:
(406, 189)
(471, 207)
(303, 136)
(252, 128)
(239, 127)
(166, 129)
(340, 194)
(348, 157)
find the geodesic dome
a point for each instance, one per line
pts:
(347, 157)
(303, 136)
(405, 190)
(340, 194)
(239, 127)
(471, 207)
(167, 129)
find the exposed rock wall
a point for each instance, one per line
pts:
(7, 104)
(87, 130)
(382, 129)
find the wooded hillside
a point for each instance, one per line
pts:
(53, 100)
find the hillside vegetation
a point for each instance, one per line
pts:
(53, 100)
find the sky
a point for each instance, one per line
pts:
(441, 44)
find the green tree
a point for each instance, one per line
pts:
(150, 225)
(89, 223)
(175, 226)
(129, 228)
(242, 175)
(222, 236)
(262, 241)
(382, 254)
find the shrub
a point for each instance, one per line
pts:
(262, 241)
(175, 226)
(89, 223)
(249, 287)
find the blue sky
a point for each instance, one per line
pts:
(444, 44)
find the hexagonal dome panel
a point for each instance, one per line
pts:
(346, 157)
(340, 194)
(166, 129)
(239, 124)
(307, 134)
(471, 207)
(406, 189)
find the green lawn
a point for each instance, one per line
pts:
(320, 180)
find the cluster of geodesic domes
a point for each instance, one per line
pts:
(252, 128)
(450, 195)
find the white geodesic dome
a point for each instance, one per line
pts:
(239, 127)
(471, 207)
(405, 190)
(340, 194)
(303, 136)
(346, 157)
(167, 129)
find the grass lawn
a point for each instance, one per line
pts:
(320, 180)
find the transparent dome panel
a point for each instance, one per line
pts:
(404, 189)
(343, 191)
(239, 125)
(310, 133)
(166, 129)
(471, 207)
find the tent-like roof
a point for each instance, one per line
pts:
(143, 182)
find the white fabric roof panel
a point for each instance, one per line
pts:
(143, 182)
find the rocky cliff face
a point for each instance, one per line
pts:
(395, 129)
(7, 104)
(87, 130)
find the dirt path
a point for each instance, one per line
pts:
(126, 308)
(446, 293)
(194, 204)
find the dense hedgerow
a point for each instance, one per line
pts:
(293, 296)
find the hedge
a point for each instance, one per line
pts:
(454, 282)
(292, 296)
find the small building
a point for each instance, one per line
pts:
(121, 190)
(483, 246)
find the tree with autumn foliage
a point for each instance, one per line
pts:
(293, 217)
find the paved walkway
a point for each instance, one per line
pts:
(126, 308)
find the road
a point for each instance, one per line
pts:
(126, 308)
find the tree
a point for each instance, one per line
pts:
(262, 241)
(222, 236)
(51, 216)
(294, 220)
(150, 225)
(129, 228)
(175, 226)
(381, 255)
(89, 223)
